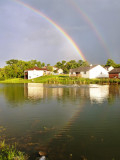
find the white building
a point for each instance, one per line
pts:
(34, 73)
(59, 70)
(109, 68)
(93, 71)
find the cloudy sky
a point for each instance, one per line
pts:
(93, 25)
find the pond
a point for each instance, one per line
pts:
(69, 122)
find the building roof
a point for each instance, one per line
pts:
(36, 68)
(115, 70)
(107, 67)
(82, 69)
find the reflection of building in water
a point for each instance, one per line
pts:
(57, 92)
(34, 91)
(79, 92)
(98, 93)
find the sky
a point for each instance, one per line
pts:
(93, 26)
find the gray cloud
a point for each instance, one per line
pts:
(26, 35)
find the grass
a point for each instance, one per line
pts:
(10, 152)
(15, 80)
(63, 79)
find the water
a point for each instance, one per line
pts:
(69, 122)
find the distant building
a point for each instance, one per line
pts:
(92, 71)
(115, 73)
(35, 72)
(58, 70)
(109, 68)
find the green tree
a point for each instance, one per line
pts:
(85, 63)
(48, 65)
(12, 61)
(50, 68)
(58, 65)
(63, 63)
(110, 62)
(43, 65)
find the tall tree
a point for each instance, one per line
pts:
(110, 62)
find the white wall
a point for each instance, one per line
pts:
(98, 72)
(60, 71)
(85, 75)
(35, 73)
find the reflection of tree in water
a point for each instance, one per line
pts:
(18, 93)
(60, 146)
(14, 93)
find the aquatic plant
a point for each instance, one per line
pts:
(8, 152)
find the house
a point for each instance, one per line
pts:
(54, 68)
(92, 71)
(109, 68)
(34, 72)
(58, 70)
(115, 73)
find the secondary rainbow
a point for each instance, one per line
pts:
(92, 26)
(56, 26)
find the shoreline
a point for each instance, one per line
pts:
(63, 79)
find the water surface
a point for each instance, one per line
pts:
(67, 121)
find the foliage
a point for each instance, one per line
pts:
(10, 152)
(66, 66)
(15, 68)
(50, 68)
(111, 62)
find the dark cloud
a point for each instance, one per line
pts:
(26, 35)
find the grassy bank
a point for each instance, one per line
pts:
(63, 79)
(11, 153)
(15, 80)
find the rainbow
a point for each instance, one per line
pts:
(92, 26)
(55, 26)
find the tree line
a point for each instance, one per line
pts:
(15, 68)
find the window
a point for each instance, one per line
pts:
(84, 72)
